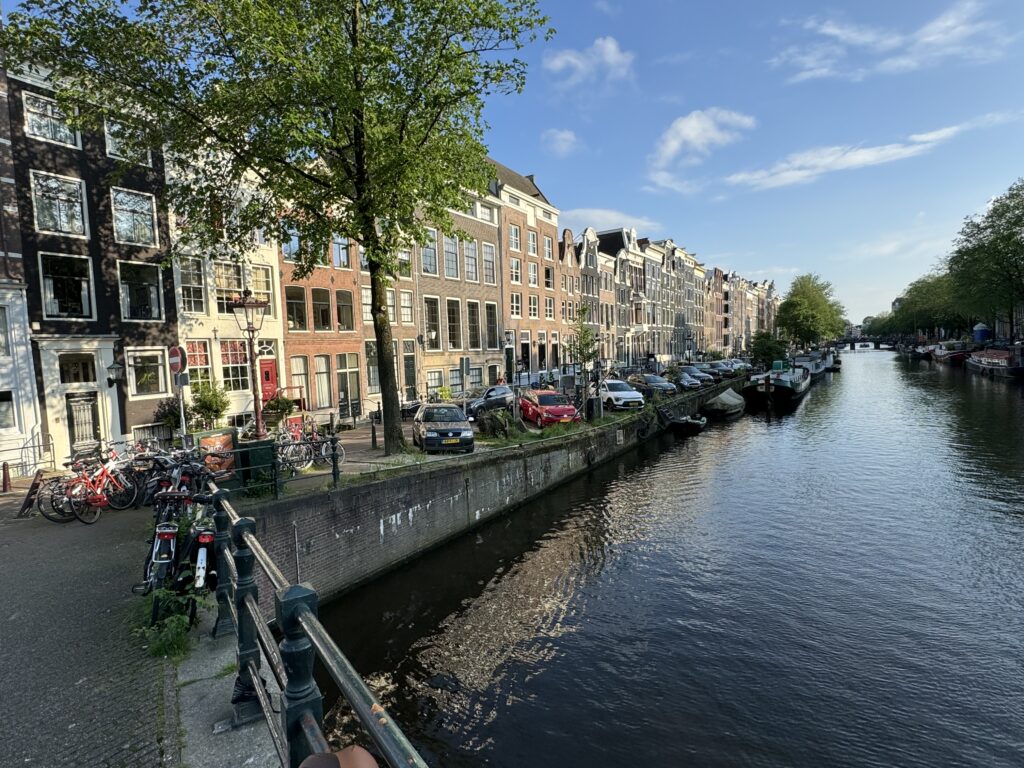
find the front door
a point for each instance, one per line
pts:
(83, 420)
(268, 379)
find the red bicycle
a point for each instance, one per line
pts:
(87, 493)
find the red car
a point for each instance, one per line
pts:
(545, 407)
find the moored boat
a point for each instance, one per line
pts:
(781, 387)
(726, 405)
(998, 363)
(687, 426)
(953, 353)
(815, 362)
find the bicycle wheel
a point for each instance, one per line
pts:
(51, 503)
(322, 453)
(304, 456)
(76, 495)
(123, 497)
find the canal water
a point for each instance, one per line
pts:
(843, 585)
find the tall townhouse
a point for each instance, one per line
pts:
(586, 255)
(330, 356)
(21, 443)
(606, 295)
(541, 279)
(715, 310)
(459, 283)
(597, 275)
(97, 294)
(700, 310)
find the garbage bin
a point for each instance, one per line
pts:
(591, 408)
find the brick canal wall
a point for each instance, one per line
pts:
(341, 538)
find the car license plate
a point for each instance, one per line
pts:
(566, 420)
(450, 441)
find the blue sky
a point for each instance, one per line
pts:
(775, 138)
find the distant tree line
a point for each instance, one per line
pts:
(980, 280)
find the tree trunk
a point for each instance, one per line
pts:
(394, 439)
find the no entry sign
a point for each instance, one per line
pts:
(177, 359)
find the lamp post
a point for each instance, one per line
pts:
(249, 316)
(689, 344)
(115, 373)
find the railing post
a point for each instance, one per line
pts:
(222, 546)
(275, 471)
(301, 695)
(246, 705)
(335, 469)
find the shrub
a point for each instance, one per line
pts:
(209, 403)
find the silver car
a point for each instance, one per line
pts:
(442, 427)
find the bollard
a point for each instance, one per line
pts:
(373, 434)
(222, 546)
(7, 478)
(301, 694)
(244, 701)
(335, 468)
(275, 473)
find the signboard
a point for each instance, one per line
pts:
(464, 367)
(177, 359)
(224, 443)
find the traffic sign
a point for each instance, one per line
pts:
(177, 359)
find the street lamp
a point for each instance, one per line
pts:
(249, 316)
(115, 373)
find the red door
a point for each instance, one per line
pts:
(268, 379)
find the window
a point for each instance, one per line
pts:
(5, 335)
(300, 378)
(134, 217)
(454, 324)
(492, 375)
(469, 254)
(295, 307)
(140, 291)
(516, 304)
(473, 323)
(344, 309)
(534, 307)
(455, 380)
(259, 236)
(515, 270)
(198, 356)
(372, 372)
(58, 203)
(485, 212)
(549, 278)
(490, 272)
(290, 245)
(533, 274)
(549, 250)
(227, 281)
(364, 262)
(476, 377)
(234, 365)
(513, 200)
(405, 263)
(491, 318)
(7, 420)
(432, 323)
(409, 366)
(531, 243)
(193, 286)
(339, 252)
(435, 380)
(321, 300)
(348, 381)
(118, 136)
(323, 380)
(451, 257)
(67, 286)
(263, 287)
(549, 308)
(44, 120)
(77, 368)
(513, 237)
(367, 297)
(146, 372)
(563, 282)
(391, 305)
(428, 254)
(406, 306)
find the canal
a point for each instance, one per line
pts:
(839, 586)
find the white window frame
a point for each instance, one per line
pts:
(515, 299)
(402, 295)
(256, 294)
(549, 307)
(531, 242)
(92, 288)
(159, 292)
(515, 271)
(515, 241)
(533, 306)
(15, 412)
(77, 144)
(533, 274)
(467, 246)
(129, 353)
(32, 174)
(152, 208)
(549, 248)
(110, 153)
(481, 331)
(494, 262)
(442, 320)
(203, 287)
(431, 238)
(447, 326)
(5, 332)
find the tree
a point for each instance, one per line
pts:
(809, 312)
(581, 345)
(766, 349)
(358, 118)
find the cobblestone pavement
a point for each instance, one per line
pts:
(76, 687)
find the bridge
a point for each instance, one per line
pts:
(876, 342)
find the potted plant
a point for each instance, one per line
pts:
(276, 409)
(209, 404)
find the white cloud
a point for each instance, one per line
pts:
(578, 219)
(850, 51)
(603, 61)
(807, 166)
(691, 138)
(606, 8)
(559, 142)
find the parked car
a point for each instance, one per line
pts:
(543, 407)
(442, 427)
(618, 394)
(647, 384)
(696, 373)
(489, 399)
(687, 382)
(741, 365)
(707, 370)
(723, 368)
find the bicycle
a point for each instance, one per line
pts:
(321, 445)
(97, 483)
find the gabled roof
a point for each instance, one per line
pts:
(524, 184)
